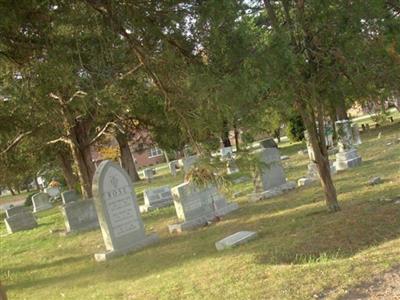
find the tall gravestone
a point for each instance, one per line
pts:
(347, 157)
(195, 206)
(41, 201)
(119, 216)
(271, 181)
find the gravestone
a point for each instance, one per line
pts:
(41, 202)
(268, 143)
(119, 216)
(235, 239)
(226, 153)
(172, 167)
(53, 192)
(329, 135)
(69, 196)
(188, 163)
(80, 216)
(271, 182)
(356, 134)
(156, 198)
(196, 206)
(20, 221)
(231, 167)
(17, 210)
(347, 157)
(149, 173)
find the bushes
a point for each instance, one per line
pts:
(295, 129)
(28, 200)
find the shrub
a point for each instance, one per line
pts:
(28, 200)
(295, 129)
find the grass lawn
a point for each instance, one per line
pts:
(13, 198)
(302, 252)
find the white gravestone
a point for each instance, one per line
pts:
(347, 157)
(41, 201)
(80, 216)
(235, 239)
(20, 221)
(196, 206)
(119, 216)
(156, 198)
(272, 181)
(69, 196)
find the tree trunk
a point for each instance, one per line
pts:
(166, 157)
(11, 190)
(317, 140)
(277, 134)
(126, 157)
(236, 132)
(225, 135)
(341, 112)
(66, 166)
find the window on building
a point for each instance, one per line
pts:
(154, 152)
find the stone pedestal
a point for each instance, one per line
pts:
(196, 206)
(80, 216)
(41, 201)
(156, 198)
(347, 157)
(272, 181)
(119, 217)
(235, 239)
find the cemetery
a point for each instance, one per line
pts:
(200, 150)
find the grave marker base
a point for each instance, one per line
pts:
(235, 239)
(275, 191)
(147, 241)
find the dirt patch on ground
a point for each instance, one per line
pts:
(384, 287)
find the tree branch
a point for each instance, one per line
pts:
(103, 131)
(16, 141)
(61, 139)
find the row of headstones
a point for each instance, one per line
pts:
(346, 157)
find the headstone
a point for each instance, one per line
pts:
(69, 196)
(196, 206)
(304, 181)
(347, 157)
(172, 167)
(231, 167)
(148, 174)
(156, 198)
(119, 216)
(356, 134)
(188, 162)
(271, 181)
(53, 192)
(235, 239)
(329, 135)
(19, 222)
(226, 153)
(17, 210)
(268, 143)
(80, 216)
(375, 180)
(41, 202)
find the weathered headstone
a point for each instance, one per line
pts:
(172, 167)
(271, 181)
(17, 210)
(226, 153)
(80, 216)
(156, 198)
(235, 239)
(148, 174)
(69, 196)
(119, 216)
(188, 162)
(356, 134)
(19, 222)
(347, 157)
(268, 143)
(53, 192)
(41, 202)
(195, 206)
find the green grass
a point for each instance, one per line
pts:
(12, 198)
(301, 250)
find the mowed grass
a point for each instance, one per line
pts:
(302, 252)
